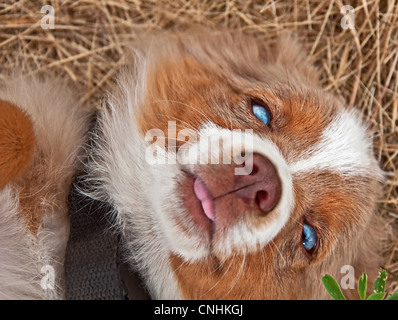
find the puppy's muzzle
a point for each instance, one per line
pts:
(261, 187)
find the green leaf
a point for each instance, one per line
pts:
(362, 285)
(379, 285)
(376, 296)
(332, 287)
(393, 296)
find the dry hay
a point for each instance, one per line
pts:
(359, 65)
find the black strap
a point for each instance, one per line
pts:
(91, 270)
(95, 268)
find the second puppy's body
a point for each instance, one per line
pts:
(42, 130)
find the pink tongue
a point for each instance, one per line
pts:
(203, 194)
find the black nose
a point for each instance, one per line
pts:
(261, 187)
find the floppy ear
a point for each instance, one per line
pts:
(17, 142)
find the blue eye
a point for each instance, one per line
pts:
(309, 238)
(261, 113)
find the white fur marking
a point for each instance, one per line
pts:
(344, 148)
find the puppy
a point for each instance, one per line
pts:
(295, 201)
(42, 128)
(232, 174)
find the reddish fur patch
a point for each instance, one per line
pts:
(17, 142)
(245, 277)
(185, 92)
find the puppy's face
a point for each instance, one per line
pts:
(296, 199)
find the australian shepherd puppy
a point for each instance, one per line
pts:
(233, 175)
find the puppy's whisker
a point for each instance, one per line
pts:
(301, 223)
(187, 105)
(263, 257)
(183, 263)
(237, 277)
(280, 253)
(190, 143)
(221, 277)
(183, 139)
(229, 115)
(189, 126)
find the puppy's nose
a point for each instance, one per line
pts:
(261, 187)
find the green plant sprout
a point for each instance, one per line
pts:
(378, 293)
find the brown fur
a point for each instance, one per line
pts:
(17, 142)
(42, 130)
(49, 123)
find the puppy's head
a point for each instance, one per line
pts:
(260, 181)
